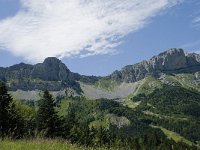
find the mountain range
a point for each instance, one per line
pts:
(174, 66)
(162, 94)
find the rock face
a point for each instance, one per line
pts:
(52, 69)
(52, 74)
(171, 61)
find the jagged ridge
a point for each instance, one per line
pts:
(171, 61)
(52, 74)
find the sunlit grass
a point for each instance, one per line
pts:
(175, 136)
(40, 144)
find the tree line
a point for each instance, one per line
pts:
(23, 122)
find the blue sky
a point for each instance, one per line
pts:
(121, 37)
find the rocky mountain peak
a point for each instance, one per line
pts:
(52, 74)
(52, 61)
(171, 61)
(51, 69)
(173, 51)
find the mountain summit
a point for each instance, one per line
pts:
(52, 69)
(54, 75)
(170, 61)
(174, 59)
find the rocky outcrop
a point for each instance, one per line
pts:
(171, 61)
(52, 74)
(52, 69)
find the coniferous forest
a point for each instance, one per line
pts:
(93, 123)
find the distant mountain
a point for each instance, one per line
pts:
(171, 61)
(52, 69)
(161, 94)
(52, 74)
(172, 67)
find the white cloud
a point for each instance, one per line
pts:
(196, 21)
(65, 28)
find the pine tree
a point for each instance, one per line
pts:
(47, 118)
(7, 107)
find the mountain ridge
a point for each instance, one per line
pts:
(160, 94)
(54, 75)
(169, 61)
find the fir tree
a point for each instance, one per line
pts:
(47, 118)
(8, 120)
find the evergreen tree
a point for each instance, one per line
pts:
(47, 118)
(10, 124)
(5, 106)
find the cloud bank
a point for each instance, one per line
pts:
(65, 28)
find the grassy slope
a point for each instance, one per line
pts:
(173, 117)
(36, 145)
(40, 144)
(130, 104)
(149, 84)
(175, 136)
(106, 84)
(188, 81)
(146, 86)
(179, 98)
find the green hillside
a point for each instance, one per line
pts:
(152, 105)
(174, 108)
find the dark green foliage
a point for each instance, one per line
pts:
(138, 135)
(177, 110)
(11, 124)
(5, 101)
(192, 109)
(47, 119)
(7, 112)
(176, 100)
(84, 122)
(139, 97)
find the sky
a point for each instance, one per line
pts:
(96, 37)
